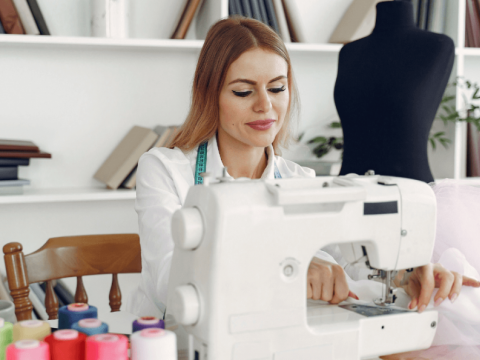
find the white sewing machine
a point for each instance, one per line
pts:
(242, 251)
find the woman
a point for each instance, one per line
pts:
(243, 99)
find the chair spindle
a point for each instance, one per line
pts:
(18, 280)
(80, 293)
(115, 296)
(51, 301)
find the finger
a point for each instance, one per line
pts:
(327, 288)
(413, 289)
(470, 282)
(427, 283)
(353, 295)
(340, 290)
(317, 289)
(309, 290)
(457, 286)
(446, 282)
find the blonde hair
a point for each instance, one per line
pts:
(226, 41)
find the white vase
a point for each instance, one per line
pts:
(66, 18)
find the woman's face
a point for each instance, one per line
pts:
(254, 98)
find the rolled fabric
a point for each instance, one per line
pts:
(31, 330)
(147, 322)
(91, 327)
(70, 314)
(154, 344)
(6, 336)
(28, 350)
(106, 347)
(67, 345)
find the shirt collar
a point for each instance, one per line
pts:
(215, 165)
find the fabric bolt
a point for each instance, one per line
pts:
(28, 350)
(102, 328)
(6, 337)
(69, 348)
(31, 330)
(163, 179)
(147, 322)
(106, 347)
(66, 317)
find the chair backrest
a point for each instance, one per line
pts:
(67, 257)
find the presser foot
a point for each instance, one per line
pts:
(388, 297)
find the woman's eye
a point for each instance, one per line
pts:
(242, 93)
(277, 90)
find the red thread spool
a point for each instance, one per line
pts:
(67, 345)
(106, 347)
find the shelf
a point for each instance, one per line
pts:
(67, 195)
(471, 51)
(159, 44)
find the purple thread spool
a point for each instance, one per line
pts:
(147, 322)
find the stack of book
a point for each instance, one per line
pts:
(359, 19)
(120, 168)
(281, 15)
(15, 153)
(472, 24)
(430, 14)
(22, 17)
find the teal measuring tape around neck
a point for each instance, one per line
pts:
(201, 165)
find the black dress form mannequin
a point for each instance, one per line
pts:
(388, 89)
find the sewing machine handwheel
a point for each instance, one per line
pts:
(186, 305)
(187, 228)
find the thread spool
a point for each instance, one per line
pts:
(106, 347)
(6, 336)
(154, 344)
(90, 327)
(31, 330)
(66, 345)
(70, 314)
(147, 322)
(28, 350)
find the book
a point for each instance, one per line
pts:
(186, 19)
(247, 10)
(9, 17)
(282, 21)
(422, 14)
(256, 14)
(2, 30)
(468, 29)
(232, 8)
(63, 293)
(125, 156)
(473, 24)
(357, 22)
(9, 183)
(14, 162)
(9, 173)
(415, 11)
(239, 7)
(38, 16)
(38, 305)
(164, 134)
(26, 17)
(294, 21)
(436, 17)
(18, 145)
(473, 151)
(263, 11)
(24, 154)
(271, 16)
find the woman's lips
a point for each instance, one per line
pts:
(261, 124)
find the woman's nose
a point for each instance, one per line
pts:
(263, 103)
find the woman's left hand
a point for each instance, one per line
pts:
(424, 279)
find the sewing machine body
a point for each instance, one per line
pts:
(239, 268)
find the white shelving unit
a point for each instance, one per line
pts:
(76, 97)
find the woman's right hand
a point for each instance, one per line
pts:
(327, 281)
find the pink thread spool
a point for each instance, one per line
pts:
(107, 347)
(28, 350)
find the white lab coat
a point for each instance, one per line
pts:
(163, 179)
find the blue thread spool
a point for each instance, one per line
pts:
(90, 327)
(70, 314)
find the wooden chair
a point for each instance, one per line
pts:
(67, 257)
